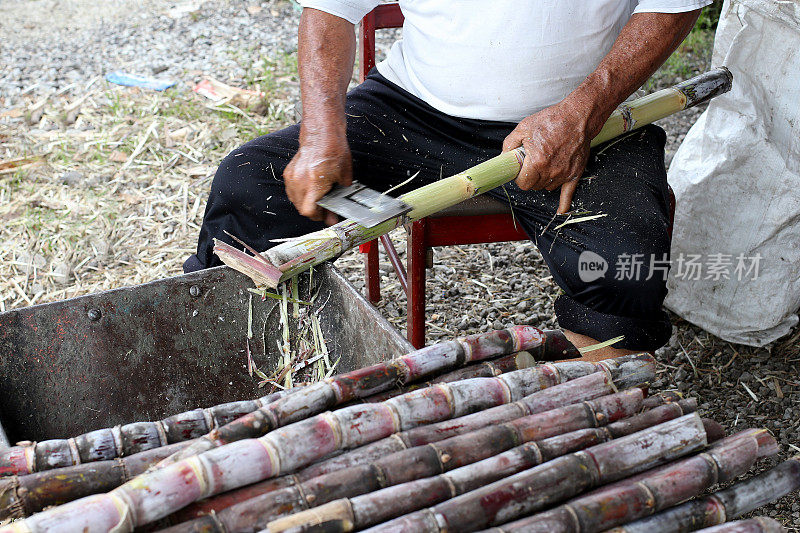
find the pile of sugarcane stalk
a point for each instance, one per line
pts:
(478, 433)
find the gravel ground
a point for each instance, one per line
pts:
(491, 286)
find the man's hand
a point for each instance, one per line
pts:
(556, 142)
(325, 53)
(556, 139)
(321, 161)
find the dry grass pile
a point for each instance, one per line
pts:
(109, 188)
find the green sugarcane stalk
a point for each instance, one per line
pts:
(288, 259)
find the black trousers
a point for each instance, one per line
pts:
(610, 268)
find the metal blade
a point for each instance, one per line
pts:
(366, 206)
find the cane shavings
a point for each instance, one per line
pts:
(302, 352)
(751, 393)
(404, 182)
(599, 345)
(577, 220)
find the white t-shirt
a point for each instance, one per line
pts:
(500, 59)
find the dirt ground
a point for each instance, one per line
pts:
(103, 186)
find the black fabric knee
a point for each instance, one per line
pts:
(248, 199)
(625, 186)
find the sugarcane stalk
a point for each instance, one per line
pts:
(580, 381)
(376, 507)
(289, 259)
(759, 524)
(21, 496)
(159, 493)
(651, 492)
(317, 397)
(583, 388)
(726, 504)
(558, 344)
(418, 462)
(557, 480)
(660, 398)
(122, 441)
(626, 372)
(493, 367)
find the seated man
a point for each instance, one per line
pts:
(469, 80)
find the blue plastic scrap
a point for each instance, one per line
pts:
(133, 80)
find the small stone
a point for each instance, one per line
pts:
(62, 273)
(36, 261)
(118, 157)
(497, 325)
(102, 248)
(73, 178)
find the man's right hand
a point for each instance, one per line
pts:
(322, 160)
(325, 53)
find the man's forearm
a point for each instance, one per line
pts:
(326, 52)
(645, 42)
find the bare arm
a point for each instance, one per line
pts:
(556, 139)
(326, 52)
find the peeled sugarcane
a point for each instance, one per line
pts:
(598, 381)
(287, 260)
(317, 397)
(376, 507)
(723, 505)
(557, 480)
(21, 496)
(121, 441)
(653, 491)
(420, 461)
(159, 493)
(759, 524)
(626, 372)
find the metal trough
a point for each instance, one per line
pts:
(145, 352)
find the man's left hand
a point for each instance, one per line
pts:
(556, 143)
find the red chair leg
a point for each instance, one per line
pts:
(394, 259)
(371, 271)
(417, 252)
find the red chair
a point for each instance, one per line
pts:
(476, 221)
(479, 220)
